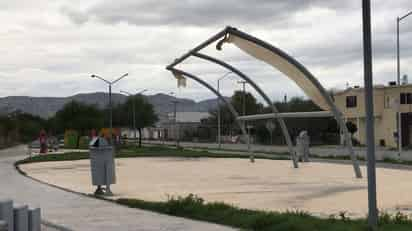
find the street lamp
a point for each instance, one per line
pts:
(398, 20)
(175, 124)
(110, 83)
(244, 109)
(134, 109)
(219, 139)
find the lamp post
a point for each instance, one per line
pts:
(134, 110)
(398, 72)
(370, 130)
(110, 83)
(219, 139)
(175, 124)
(244, 111)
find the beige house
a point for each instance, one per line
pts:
(388, 100)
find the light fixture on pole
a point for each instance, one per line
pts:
(219, 139)
(110, 83)
(398, 75)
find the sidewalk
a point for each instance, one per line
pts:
(81, 213)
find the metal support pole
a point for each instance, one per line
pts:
(176, 130)
(219, 139)
(398, 75)
(110, 115)
(370, 136)
(244, 124)
(134, 120)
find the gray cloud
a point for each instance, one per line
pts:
(199, 13)
(52, 47)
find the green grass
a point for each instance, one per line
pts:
(153, 151)
(194, 207)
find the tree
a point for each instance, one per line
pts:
(145, 115)
(228, 121)
(78, 116)
(251, 105)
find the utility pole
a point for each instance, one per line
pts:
(370, 131)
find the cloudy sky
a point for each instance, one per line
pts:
(51, 47)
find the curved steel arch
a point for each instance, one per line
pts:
(262, 93)
(323, 95)
(228, 104)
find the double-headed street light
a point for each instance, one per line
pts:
(110, 83)
(219, 139)
(134, 109)
(398, 20)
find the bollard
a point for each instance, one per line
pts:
(34, 219)
(21, 218)
(6, 213)
(3, 226)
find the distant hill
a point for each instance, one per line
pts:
(47, 106)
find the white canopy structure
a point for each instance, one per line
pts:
(287, 65)
(282, 64)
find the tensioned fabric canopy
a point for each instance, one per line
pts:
(283, 65)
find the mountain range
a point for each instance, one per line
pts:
(46, 107)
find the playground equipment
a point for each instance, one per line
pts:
(287, 65)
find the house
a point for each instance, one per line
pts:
(185, 121)
(388, 101)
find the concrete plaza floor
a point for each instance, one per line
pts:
(80, 213)
(320, 188)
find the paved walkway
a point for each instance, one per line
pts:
(81, 213)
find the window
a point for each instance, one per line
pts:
(351, 101)
(406, 98)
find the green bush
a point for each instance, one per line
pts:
(84, 142)
(71, 138)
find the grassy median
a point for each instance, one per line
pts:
(150, 151)
(194, 207)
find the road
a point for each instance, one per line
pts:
(81, 213)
